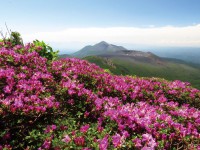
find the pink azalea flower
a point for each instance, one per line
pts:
(79, 141)
(117, 140)
(103, 144)
(66, 139)
(46, 144)
(85, 128)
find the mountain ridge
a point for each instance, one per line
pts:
(98, 49)
(121, 61)
(105, 49)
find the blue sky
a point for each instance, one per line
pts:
(75, 23)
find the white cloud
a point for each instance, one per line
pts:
(153, 36)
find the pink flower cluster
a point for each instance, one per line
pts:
(25, 83)
(143, 113)
(157, 109)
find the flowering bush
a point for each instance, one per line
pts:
(72, 104)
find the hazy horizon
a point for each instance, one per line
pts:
(145, 48)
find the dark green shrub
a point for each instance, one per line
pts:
(46, 51)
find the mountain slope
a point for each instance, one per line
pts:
(119, 61)
(164, 68)
(146, 57)
(98, 49)
(64, 56)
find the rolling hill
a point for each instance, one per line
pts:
(149, 67)
(121, 61)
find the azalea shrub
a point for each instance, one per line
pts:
(72, 104)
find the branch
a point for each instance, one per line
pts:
(9, 32)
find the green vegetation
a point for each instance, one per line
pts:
(46, 50)
(13, 39)
(170, 70)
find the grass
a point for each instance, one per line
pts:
(169, 70)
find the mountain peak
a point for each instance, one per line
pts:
(102, 43)
(98, 49)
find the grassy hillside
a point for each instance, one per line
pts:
(170, 70)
